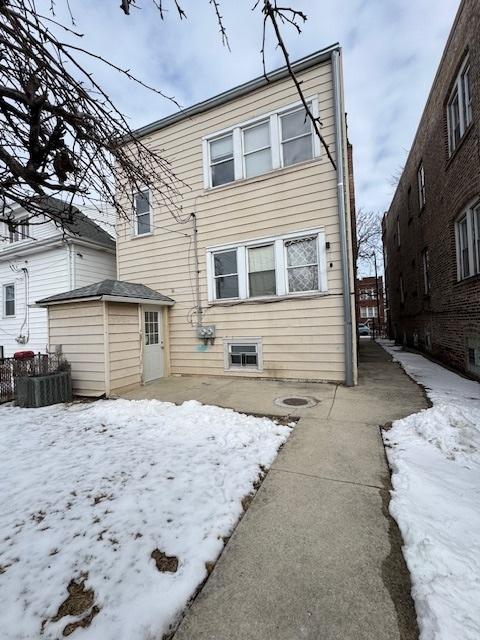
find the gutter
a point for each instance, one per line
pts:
(107, 298)
(278, 74)
(339, 155)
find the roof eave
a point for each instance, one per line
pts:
(238, 91)
(106, 298)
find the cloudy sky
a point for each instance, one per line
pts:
(391, 51)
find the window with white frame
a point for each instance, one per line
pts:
(261, 271)
(143, 215)
(8, 300)
(426, 271)
(459, 107)
(293, 264)
(19, 231)
(243, 354)
(421, 186)
(368, 312)
(225, 273)
(302, 264)
(257, 152)
(297, 137)
(467, 232)
(222, 168)
(274, 140)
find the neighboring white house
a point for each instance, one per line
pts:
(39, 260)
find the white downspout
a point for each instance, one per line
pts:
(339, 155)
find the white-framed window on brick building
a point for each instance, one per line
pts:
(293, 264)
(368, 312)
(421, 186)
(459, 106)
(467, 236)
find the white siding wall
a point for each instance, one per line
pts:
(48, 275)
(92, 265)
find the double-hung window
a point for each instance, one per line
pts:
(257, 152)
(426, 272)
(467, 231)
(225, 274)
(8, 300)
(261, 271)
(459, 107)
(269, 142)
(292, 264)
(143, 215)
(297, 137)
(222, 169)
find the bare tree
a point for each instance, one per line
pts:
(61, 134)
(369, 236)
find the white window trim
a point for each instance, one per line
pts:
(135, 233)
(275, 143)
(4, 300)
(457, 89)
(280, 266)
(473, 259)
(258, 342)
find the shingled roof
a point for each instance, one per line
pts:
(75, 222)
(110, 289)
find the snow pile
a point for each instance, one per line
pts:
(435, 459)
(89, 491)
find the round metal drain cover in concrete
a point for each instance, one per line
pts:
(296, 401)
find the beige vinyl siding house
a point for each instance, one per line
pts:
(292, 334)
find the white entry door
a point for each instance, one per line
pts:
(153, 358)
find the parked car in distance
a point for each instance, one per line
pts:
(363, 330)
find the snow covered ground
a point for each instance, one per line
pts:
(89, 491)
(435, 459)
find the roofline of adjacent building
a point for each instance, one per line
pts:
(107, 298)
(261, 81)
(434, 83)
(30, 246)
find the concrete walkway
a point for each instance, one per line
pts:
(316, 555)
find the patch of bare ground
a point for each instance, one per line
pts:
(164, 563)
(78, 602)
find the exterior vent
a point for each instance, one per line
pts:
(42, 391)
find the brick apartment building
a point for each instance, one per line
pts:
(431, 233)
(370, 311)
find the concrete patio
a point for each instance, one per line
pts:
(316, 555)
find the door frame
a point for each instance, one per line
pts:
(163, 337)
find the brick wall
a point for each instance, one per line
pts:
(442, 320)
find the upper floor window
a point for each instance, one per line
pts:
(19, 231)
(257, 152)
(467, 232)
(221, 160)
(459, 107)
(279, 139)
(291, 264)
(8, 300)
(143, 217)
(421, 186)
(402, 290)
(398, 232)
(297, 137)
